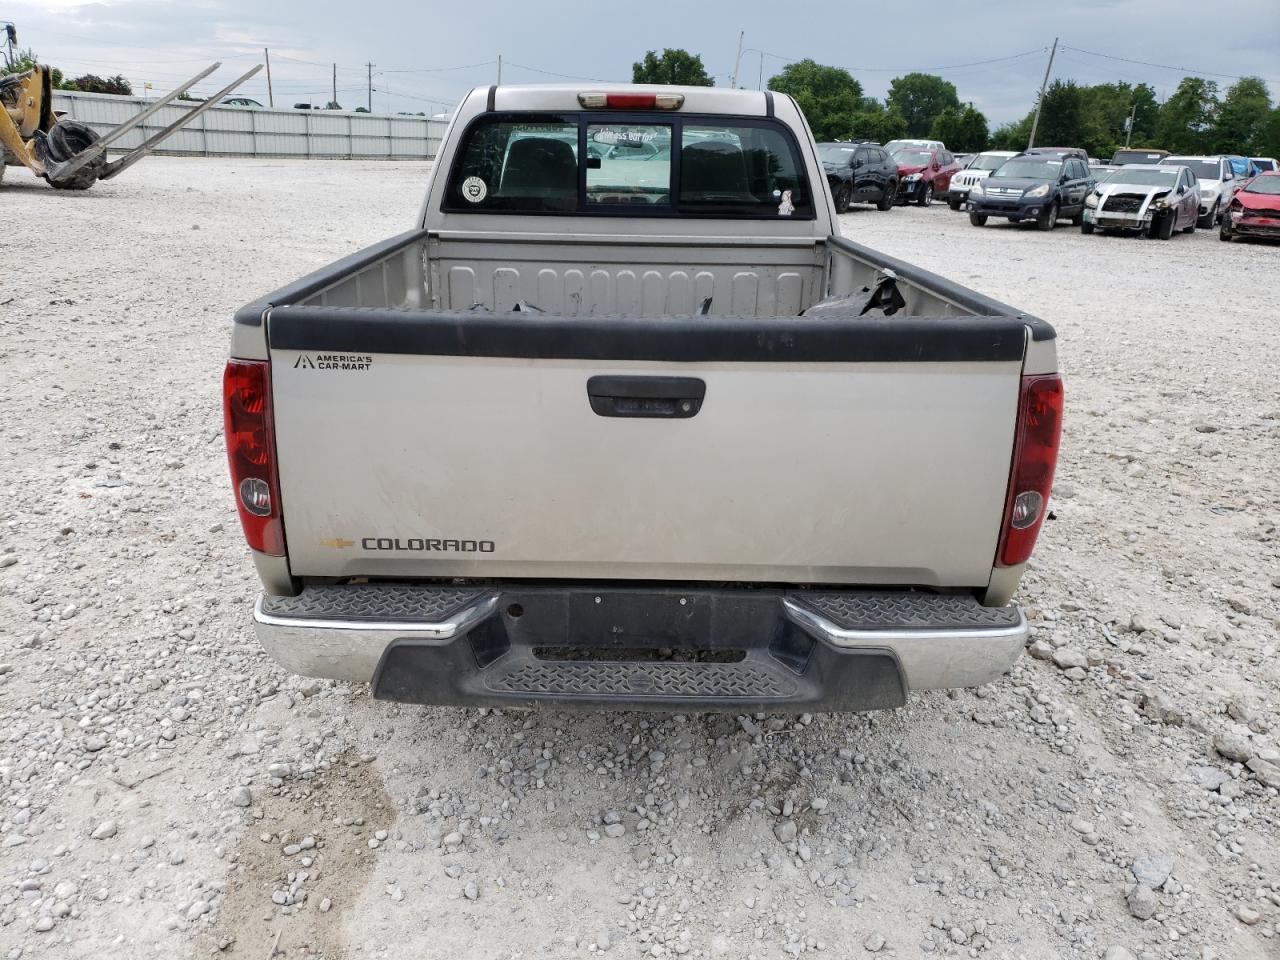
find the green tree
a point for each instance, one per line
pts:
(1271, 136)
(1013, 135)
(1185, 124)
(26, 59)
(829, 96)
(674, 66)
(963, 130)
(875, 122)
(1106, 109)
(92, 83)
(1061, 116)
(920, 97)
(333, 105)
(1241, 121)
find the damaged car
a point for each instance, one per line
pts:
(1153, 200)
(1254, 210)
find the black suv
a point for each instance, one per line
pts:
(1039, 187)
(859, 173)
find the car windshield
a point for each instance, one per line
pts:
(912, 158)
(836, 152)
(1264, 163)
(1136, 156)
(986, 161)
(1267, 185)
(1149, 178)
(1203, 169)
(1033, 168)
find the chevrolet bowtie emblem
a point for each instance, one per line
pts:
(337, 543)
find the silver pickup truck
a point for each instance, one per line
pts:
(625, 421)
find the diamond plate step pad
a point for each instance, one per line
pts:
(905, 611)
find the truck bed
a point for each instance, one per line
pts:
(875, 451)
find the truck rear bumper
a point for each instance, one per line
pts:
(662, 648)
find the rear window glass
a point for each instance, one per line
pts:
(672, 167)
(628, 163)
(517, 167)
(740, 170)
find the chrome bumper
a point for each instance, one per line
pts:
(938, 641)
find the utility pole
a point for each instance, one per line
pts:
(1040, 103)
(334, 101)
(270, 99)
(760, 77)
(737, 61)
(499, 69)
(1128, 129)
(370, 103)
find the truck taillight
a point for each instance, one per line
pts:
(251, 453)
(1035, 455)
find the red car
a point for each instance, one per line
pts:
(923, 174)
(1254, 210)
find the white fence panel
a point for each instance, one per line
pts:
(226, 131)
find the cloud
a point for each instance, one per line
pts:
(412, 47)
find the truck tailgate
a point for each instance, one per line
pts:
(420, 444)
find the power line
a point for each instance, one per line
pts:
(562, 76)
(952, 66)
(1162, 66)
(465, 66)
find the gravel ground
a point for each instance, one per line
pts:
(166, 791)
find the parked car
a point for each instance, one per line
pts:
(1265, 164)
(923, 174)
(1137, 155)
(893, 146)
(979, 168)
(240, 102)
(602, 506)
(1216, 179)
(1255, 209)
(1035, 187)
(1154, 200)
(1059, 152)
(859, 173)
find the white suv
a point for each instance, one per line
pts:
(1216, 180)
(979, 168)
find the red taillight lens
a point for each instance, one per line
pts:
(1035, 455)
(251, 453)
(631, 101)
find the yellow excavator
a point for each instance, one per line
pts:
(71, 155)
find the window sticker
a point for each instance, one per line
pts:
(474, 189)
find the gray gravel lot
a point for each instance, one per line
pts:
(166, 791)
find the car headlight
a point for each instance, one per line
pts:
(1091, 200)
(976, 189)
(911, 177)
(1040, 191)
(1160, 201)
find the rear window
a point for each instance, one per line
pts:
(628, 165)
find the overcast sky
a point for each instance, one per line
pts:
(427, 55)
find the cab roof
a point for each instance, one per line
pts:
(563, 97)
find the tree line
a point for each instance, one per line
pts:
(1194, 119)
(88, 83)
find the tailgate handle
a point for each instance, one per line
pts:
(671, 398)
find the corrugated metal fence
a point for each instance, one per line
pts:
(253, 132)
